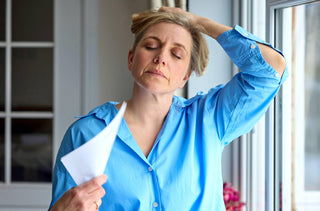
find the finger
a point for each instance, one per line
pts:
(97, 193)
(97, 204)
(94, 183)
(162, 9)
(96, 198)
(171, 9)
(166, 9)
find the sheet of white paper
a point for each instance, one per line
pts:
(90, 159)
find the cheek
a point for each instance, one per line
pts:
(183, 69)
(139, 60)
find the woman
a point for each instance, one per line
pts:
(167, 155)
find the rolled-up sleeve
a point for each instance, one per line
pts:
(240, 103)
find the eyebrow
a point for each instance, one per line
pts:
(158, 40)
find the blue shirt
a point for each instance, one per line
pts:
(183, 169)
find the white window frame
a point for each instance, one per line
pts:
(249, 172)
(20, 194)
(260, 173)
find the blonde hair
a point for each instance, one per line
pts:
(199, 53)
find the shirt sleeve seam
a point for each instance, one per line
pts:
(230, 124)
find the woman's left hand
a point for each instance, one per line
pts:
(206, 25)
(193, 18)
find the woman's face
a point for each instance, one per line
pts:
(161, 59)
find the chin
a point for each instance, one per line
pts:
(155, 87)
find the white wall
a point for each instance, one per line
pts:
(115, 40)
(219, 69)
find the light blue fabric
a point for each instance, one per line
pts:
(183, 170)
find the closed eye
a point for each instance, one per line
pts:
(150, 47)
(177, 56)
(177, 53)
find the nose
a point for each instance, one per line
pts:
(159, 59)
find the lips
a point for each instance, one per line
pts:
(156, 72)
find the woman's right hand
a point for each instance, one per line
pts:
(86, 196)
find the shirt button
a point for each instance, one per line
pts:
(277, 75)
(253, 46)
(245, 34)
(155, 204)
(150, 168)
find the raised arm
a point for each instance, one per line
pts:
(214, 30)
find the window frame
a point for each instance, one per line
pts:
(19, 193)
(260, 150)
(75, 72)
(283, 169)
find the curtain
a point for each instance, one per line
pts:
(156, 4)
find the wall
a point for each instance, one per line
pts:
(115, 40)
(219, 69)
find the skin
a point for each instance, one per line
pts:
(159, 65)
(161, 58)
(83, 197)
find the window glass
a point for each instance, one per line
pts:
(31, 150)
(32, 79)
(2, 20)
(305, 92)
(2, 78)
(312, 97)
(30, 16)
(298, 113)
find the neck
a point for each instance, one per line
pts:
(145, 106)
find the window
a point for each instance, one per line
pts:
(40, 55)
(26, 99)
(281, 156)
(296, 31)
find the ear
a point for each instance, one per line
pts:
(130, 59)
(185, 79)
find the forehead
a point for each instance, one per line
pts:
(169, 32)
